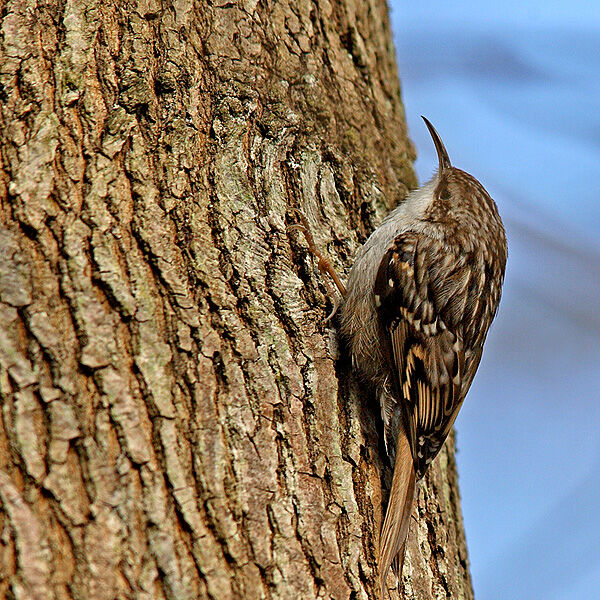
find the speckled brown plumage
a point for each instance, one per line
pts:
(421, 297)
(437, 294)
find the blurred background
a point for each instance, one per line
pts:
(514, 91)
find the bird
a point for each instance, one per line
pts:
(415, 312)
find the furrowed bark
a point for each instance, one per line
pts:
(177, 419)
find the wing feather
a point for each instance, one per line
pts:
(421, 313)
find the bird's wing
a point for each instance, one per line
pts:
(423, 292)
(431, 299)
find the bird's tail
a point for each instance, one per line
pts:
(397, 517)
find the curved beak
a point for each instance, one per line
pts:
(439, 146)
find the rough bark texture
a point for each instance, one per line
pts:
(177, 419)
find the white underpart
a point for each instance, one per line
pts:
(359, 311)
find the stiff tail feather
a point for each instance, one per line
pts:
(397, 517)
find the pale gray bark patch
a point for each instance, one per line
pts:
(32, 551)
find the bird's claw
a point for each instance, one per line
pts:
(324, 264)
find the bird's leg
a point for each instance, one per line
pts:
(324, 264)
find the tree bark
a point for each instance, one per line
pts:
(178, 421)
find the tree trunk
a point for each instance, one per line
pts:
(178, 421)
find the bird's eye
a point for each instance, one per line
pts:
(444, 193)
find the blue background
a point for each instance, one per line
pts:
(514, 91)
